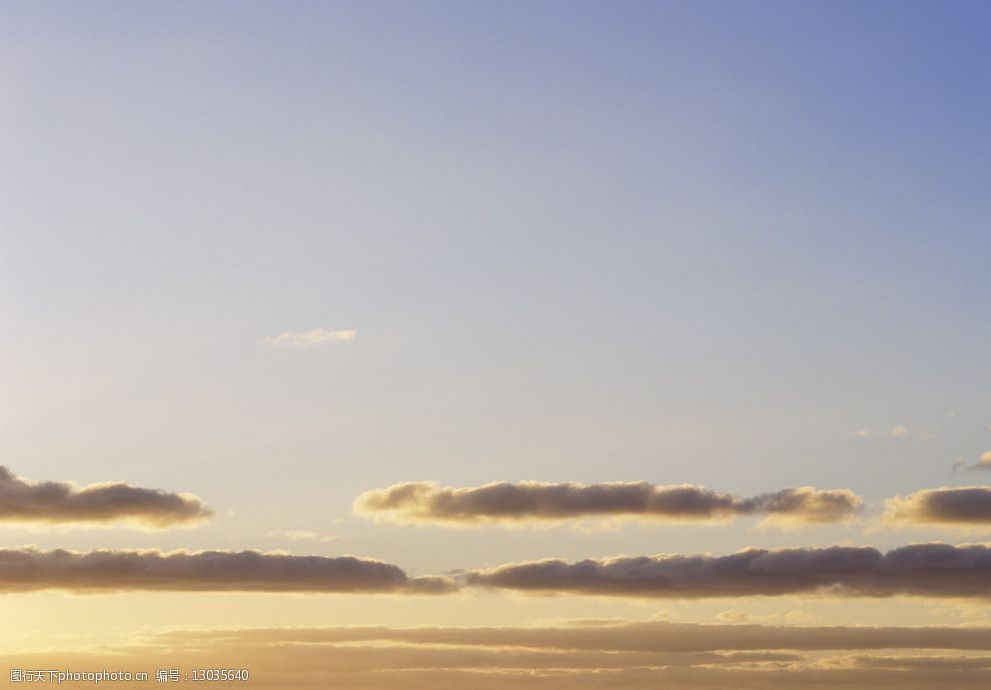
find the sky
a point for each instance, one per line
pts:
(445, 314)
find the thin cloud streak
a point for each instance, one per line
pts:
(51, 503)
(25, 570)
(514, 503)
(311, 338)
(630, 636)
(303, 535)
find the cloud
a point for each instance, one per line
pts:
(625, 636)
(23, 570)
(317, 336)
(984, 463)
(923, 663)
(926, 570)
(966, 505)
(594, 654)
(303, 535)
(25, 501)
(897, 431)
(502, 502)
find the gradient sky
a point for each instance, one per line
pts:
(739, 245)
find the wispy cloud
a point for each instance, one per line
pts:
(311, 338)
(23, 570)
(983, 463)
(303, 535)
(515, 503)
(897, 431)
(50, 502)
(927, 570)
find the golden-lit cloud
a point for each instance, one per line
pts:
(927, 570)
(316, 336)
(50, 502)
(983, 463)
(30, 569)
(592, 654)
(515, 503)
(961, 506)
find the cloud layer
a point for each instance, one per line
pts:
(63, 502)
(583, 655)
(317, 336)
(962, 506)
(426, 502)
(928, 570)
(24, 570)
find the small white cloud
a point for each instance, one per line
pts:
(302, 535)
(799, 617)
(732, 617)
(317, 336)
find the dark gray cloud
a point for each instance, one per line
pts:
(426, 502)
(50, 502)
(966, 505)
(929, 570)
(24, 570)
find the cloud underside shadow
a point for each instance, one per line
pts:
(923, 570)
(940, 571)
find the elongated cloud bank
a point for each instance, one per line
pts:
(963, 506)
(588, 655)
(317, 336)
(24, 570)
(426, 502)
(22, 500)
(927, 570)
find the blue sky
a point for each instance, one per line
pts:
(673, 242)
